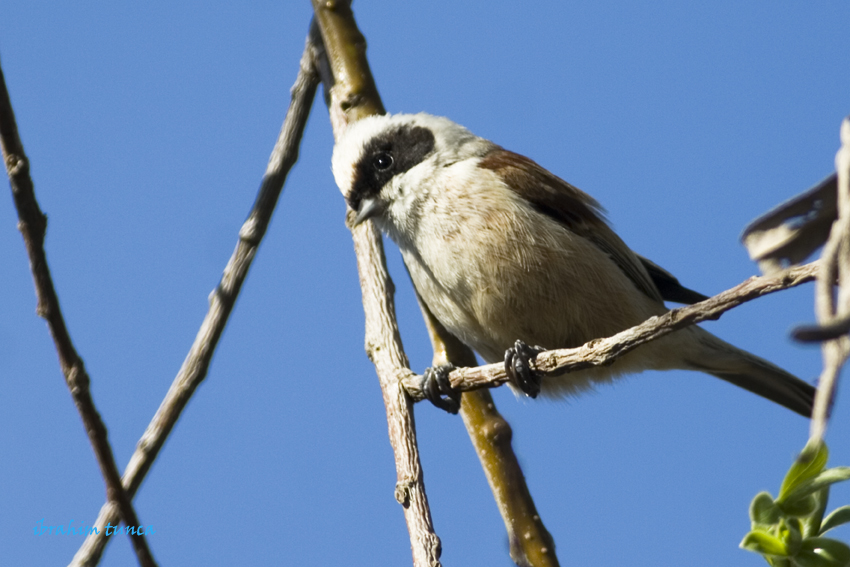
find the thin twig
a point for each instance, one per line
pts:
(197, 362)
(353, 95)
(600, 352)
(33, 226)
(836, 267)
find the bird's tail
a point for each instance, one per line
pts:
(750, 372)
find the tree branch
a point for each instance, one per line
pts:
(530, 544)
(601, 352)
(792, 231)
(831, 311)
(353, 95)
(33, 226)
(197, 362)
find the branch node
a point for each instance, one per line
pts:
(38, 221)
(372, 348)
(497, 431)
(77, 379)
(16, 165)
(435, 546)
(402, 490)
(42, 309)
(249, 231)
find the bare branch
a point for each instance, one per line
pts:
(531, 544)
(383, 345)
(831, 312)
(353, 95)
(33, 226)
(222, 299)
(600, 352)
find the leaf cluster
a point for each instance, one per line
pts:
(788, 531)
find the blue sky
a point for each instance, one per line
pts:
(149, 127)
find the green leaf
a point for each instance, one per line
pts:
(811, 559)
(764, 511)
(790, 534)
(836, 518)
(764, 543)
(800, 507)
(809, 463)
(831, 476)
(831, 552)
(813, 522)
(823, 480)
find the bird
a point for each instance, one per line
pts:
(506, 254)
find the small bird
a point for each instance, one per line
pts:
(505, 254)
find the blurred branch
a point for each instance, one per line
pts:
(832, 311)
(600, 352)
(222, 299)
(820, 333)
(792, 231)
(33, 226)
(353, 96)
(531, 545)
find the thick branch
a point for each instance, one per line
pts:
(197, 362)
(352, 96)
(33, 226)
(349, 86)
(531, 545)
(601, 352)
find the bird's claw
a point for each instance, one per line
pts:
(438, 389)
(518, 368)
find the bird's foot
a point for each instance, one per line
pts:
(518, 368)
(438, 389)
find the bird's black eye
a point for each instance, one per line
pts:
(382, 161)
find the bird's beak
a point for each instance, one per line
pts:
(368, 209)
